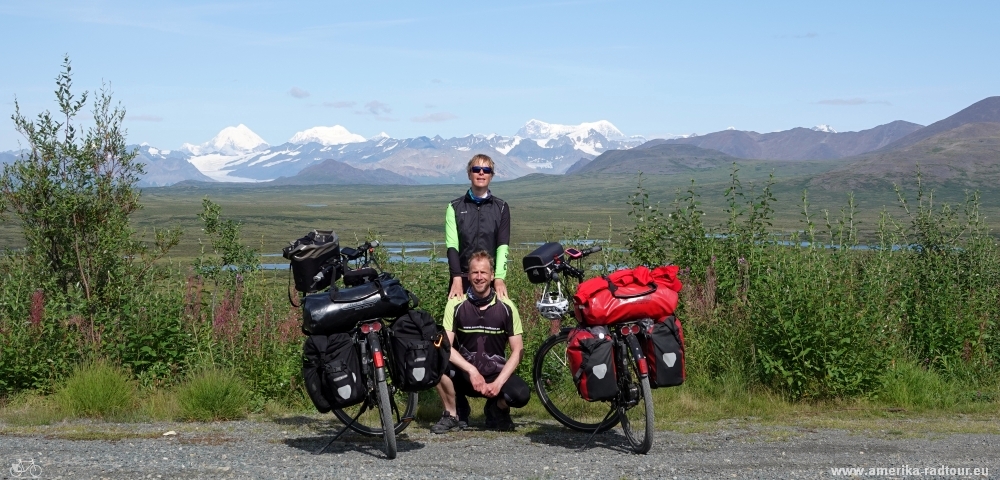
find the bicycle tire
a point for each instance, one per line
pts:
(370, 422)
(385, 410)
(635, 407)
(35, 471)
(556, 390)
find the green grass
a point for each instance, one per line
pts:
(98, 390)
(213, 395)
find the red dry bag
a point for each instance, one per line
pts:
(628, 295)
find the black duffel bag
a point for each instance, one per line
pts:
(341, 310)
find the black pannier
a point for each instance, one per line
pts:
(589, 352)
(332, 371)
(664, 348)
(341, 310)
(535, 262)
(310, 254)
(420, 351)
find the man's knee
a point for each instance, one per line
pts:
(516, 392)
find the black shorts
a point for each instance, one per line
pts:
(514, 391)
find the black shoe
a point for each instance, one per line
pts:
(446, 424)
(497, 418)
(464, 410)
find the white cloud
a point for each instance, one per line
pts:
(339, 104)
(298, 92)
(376, 107)
(435, 117)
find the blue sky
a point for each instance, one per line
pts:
(185, 70)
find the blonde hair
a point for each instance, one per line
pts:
(481, 158)
(482, 254)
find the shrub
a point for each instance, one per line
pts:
(213, 394)
(98, 390)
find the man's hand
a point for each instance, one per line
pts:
(456, 288)
(500, 287)
(492, 389)
(478, 382)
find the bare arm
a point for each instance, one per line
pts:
(456, 359)
(516, 352)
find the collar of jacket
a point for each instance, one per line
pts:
(479, 200)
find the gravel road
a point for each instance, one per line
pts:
(283, 449)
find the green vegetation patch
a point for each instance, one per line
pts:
(213, 395)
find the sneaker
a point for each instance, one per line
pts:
(464, 410)
(497, 418)
(446, 424)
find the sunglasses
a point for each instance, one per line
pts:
(486, 170)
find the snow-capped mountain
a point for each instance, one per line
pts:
(824, 128)
(539, 130)
(230, 141)
(326, 136)
(237, 154)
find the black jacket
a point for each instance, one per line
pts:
(484, 226)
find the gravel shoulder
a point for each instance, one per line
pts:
(283, 448)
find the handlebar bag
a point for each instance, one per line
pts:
(310, 254)
(664, 348)
(589, 351)
(420, 351)
(340, 310)
(535, 263)
(332, 371)
(627, 295)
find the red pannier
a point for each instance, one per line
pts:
(664, 348)
(628, 295)
(589, 352)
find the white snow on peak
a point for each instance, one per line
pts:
(824, 128)
(380, 136)
(539, 130)
(152, 151)
(335, 135)
(230, 141)
(731, 128)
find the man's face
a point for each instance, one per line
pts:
(480, 276)
(481, 179)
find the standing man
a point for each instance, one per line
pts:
(477, 221)
(480, 325)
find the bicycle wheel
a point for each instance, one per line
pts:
(403, 405)
(385, 408)
(557, 391)
(635, 406)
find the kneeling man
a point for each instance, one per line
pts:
(480, 325)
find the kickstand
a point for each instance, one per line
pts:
(341, 432)
(599, 427)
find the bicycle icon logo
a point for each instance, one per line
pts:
(22, 467)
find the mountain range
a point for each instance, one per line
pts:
(963, 148)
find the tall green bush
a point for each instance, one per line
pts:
(73, 193)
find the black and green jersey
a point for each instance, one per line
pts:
(481, 336)
(471, 226)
